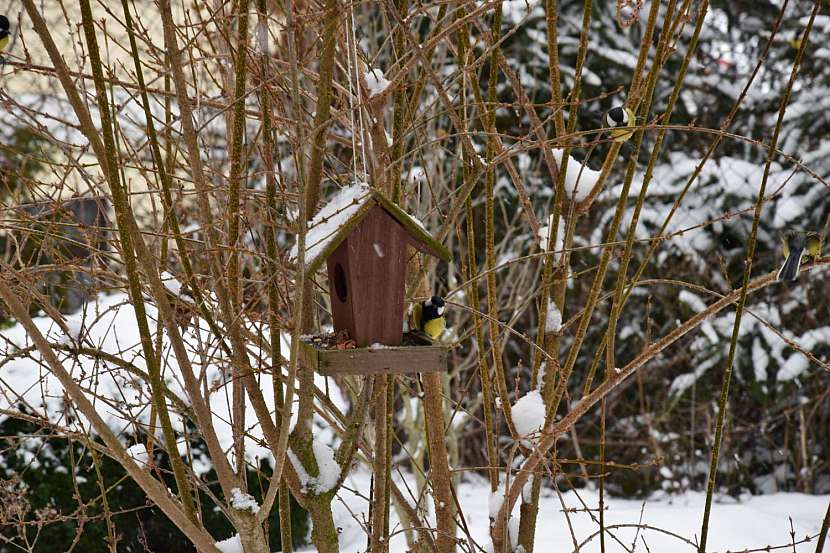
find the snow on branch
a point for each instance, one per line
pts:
(376, 82)
(579, 178)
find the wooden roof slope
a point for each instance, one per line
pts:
(336, 220)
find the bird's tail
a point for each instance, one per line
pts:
(789, 270)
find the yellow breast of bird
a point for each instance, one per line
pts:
(435, 327)
(814, 248)
(621, 134)
(4, 42)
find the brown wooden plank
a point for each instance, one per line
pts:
(376, 275)
(342, 301)
(397, 360)
(416, 234)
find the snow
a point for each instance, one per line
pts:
(139, 454)
(231, 545)
(553, 320)
(516, 11)
(692, 300)
(683, 382)
(325, 225)
(793, 367)
(513, 531)
(495, 500)
(376, 82)
(544, 236)
(75, 329)
(171, 283)
(302, 474)
(328, 470)
(122, 397)
(417, 175)
(543, 370)
(626, 59)
(416, 221)
(378, 345)
(529, 413)
(527, 490)
(760, 361)
(751, 522)
(579, 178)
(174, 286)
(242, 501)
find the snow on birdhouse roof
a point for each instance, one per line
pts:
(335, 220)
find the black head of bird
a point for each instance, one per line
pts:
(616, 117)
(433, 308)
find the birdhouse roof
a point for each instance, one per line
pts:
(336, 220)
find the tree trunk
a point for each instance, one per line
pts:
(324, 533)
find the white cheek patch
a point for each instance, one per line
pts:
(440, 310)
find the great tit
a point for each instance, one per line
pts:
(428, 316)
(620, 119)
(5, 36)
(796, 245)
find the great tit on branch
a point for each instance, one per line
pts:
(428, 316)
(5, 36)
(796, 246)
(620, 120)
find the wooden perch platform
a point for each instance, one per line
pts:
(332, 361)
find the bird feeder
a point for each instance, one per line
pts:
(362, 237)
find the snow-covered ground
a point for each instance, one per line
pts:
(751, 523)
(109, 324)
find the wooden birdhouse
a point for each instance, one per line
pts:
(362, 237)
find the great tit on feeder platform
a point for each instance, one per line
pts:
(620, 119)
(428, 316)
(5, 36)
(796, 245)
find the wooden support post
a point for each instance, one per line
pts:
(438, 464)
(380, 541)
